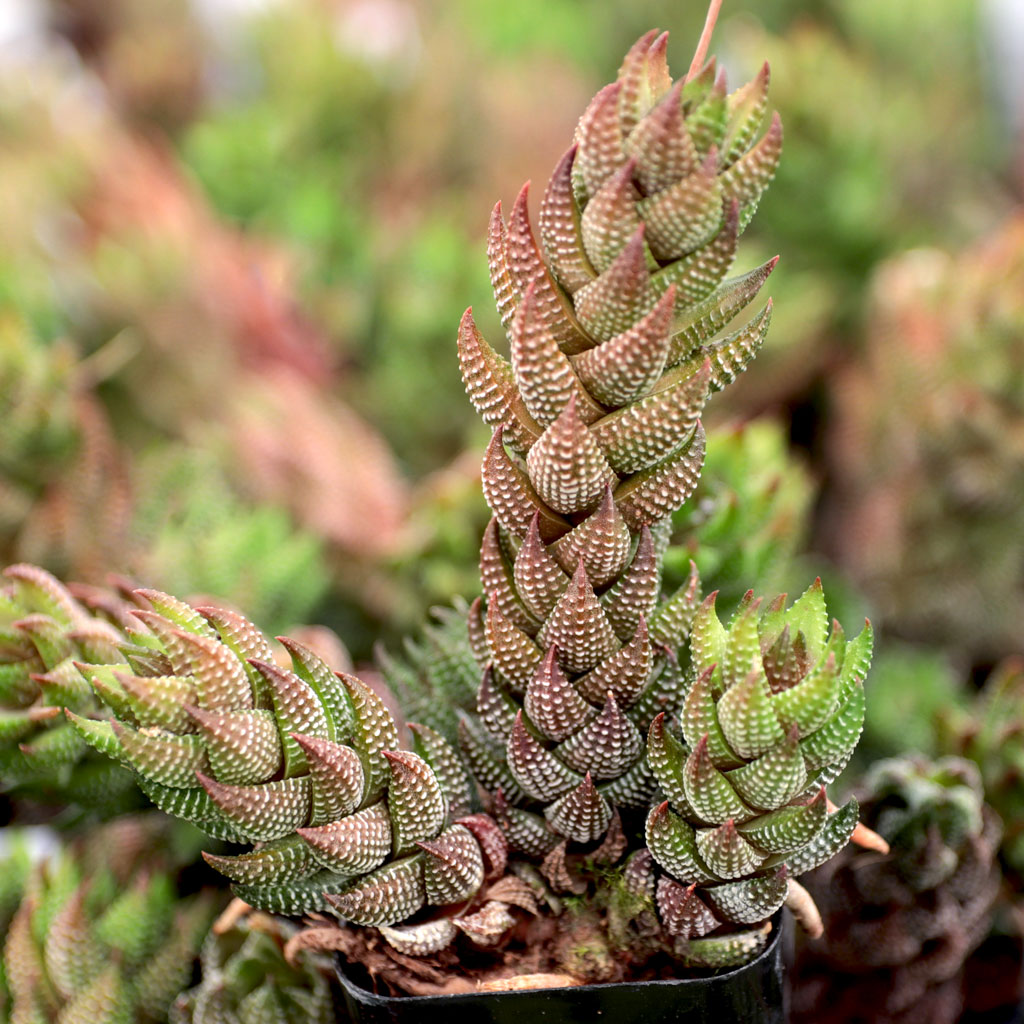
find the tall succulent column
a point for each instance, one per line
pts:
(620, 326)
(614, 325)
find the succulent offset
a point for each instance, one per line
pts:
(899, 927)
(773, 711)
(100, 936)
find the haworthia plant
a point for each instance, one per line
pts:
(613, 328)
(304, 761)
(620, 326)
(44, 632)
(593, 714)
(774, 708)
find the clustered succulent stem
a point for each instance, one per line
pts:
(590, 708)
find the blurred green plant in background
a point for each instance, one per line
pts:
(990, 731)
(200, 537)
(245, 977)
(749, 517)
(98, 931)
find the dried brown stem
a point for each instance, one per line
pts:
(701, 56)
(804, 909)
(233, 913)
(525, 981)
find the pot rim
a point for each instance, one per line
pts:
(364, 995)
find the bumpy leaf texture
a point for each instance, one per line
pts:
(619, 327)
(44, 631)
(772, 714)
(302, 761)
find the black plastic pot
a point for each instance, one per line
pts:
(752, 994)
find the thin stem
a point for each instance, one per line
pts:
(701, 56)
(804, 909)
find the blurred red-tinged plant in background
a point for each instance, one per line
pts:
(927, 448)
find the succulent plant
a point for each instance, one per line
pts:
(590, 708)
(597, 436)
(100, 935)
(44, 632)
(246, 977)
(305, 762)
(59, 462)
(898, 927)
(58, 458)
(614, 328)
(38, 420)
(774, 708)
(990, 732)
